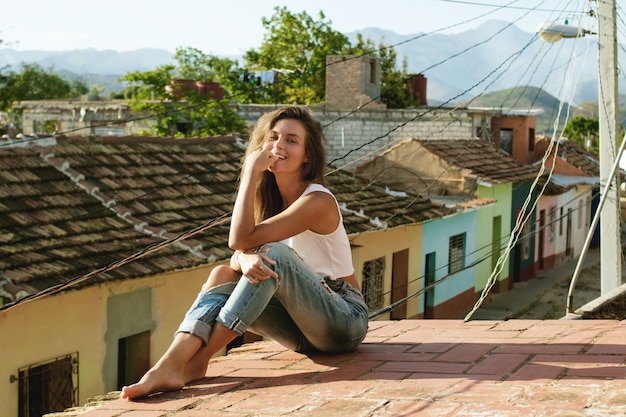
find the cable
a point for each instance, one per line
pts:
(530, 235)
(138, 255)
(402, 301)
(399, 126)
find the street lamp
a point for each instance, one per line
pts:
(610, 230)
(554, 32)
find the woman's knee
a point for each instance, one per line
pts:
(221, 274)
(276, 251)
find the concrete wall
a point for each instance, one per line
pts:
(455, 295)
(80, 321)
(370, 246)
(502, 209)
(353, 138)
(352, 82)
(84, 118)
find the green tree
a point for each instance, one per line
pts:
(148, 85)
(191, 114)
(33, 82)
(296, 45)
(196, 65)
(580, 129)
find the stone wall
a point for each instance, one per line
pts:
(354, 137)
(353, 82)
(83, 118)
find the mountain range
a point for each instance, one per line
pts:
(495, 56)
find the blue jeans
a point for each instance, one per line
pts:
(301, 309)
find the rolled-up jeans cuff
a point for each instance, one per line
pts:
(232, 322)
(197, 328)
(201, 315)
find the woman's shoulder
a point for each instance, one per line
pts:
(313, 187)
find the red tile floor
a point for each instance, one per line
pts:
(414, 368)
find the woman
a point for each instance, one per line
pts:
(290, 278)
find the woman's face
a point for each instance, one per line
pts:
(286, 142)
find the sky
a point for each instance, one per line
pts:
(231, 27)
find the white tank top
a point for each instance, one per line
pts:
(330, 254)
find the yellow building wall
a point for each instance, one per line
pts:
(76, 321)
(57, 325)
(369, 246)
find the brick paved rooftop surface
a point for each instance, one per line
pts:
(414, 368)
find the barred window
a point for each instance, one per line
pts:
(48, 387)
(373, 283)
(456, 253)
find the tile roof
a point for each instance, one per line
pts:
(480, 158)
(576, 155)
(80, 206)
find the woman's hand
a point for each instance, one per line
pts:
(260, 160)
(254, 267)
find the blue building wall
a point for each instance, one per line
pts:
(436, 238)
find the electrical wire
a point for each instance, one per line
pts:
(346, 116)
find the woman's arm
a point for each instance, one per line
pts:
(242, 222)
(316, 211)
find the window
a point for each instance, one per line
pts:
(133, 358)
(506, 141)
(456, 253)
(552, 228)
(373, 280)
(46, 126)
(372, 71)
(561, 222)
(48, 387)
(531, 139)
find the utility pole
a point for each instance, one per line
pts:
(610, 217)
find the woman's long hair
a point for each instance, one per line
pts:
(268, 201)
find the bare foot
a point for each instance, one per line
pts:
(195, 369)
(155, 380)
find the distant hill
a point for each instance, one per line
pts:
(90, 65)
(90, 61)
(540, 101)
(495, 56)
(521, 98)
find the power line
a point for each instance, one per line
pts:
(359, 109)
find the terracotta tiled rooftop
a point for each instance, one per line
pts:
(577, 156)
(71, 207)
(414, 368)
(481, 158)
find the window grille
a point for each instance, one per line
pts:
(373, 283)
(552, 227)
(48, 387)
(456, 253)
